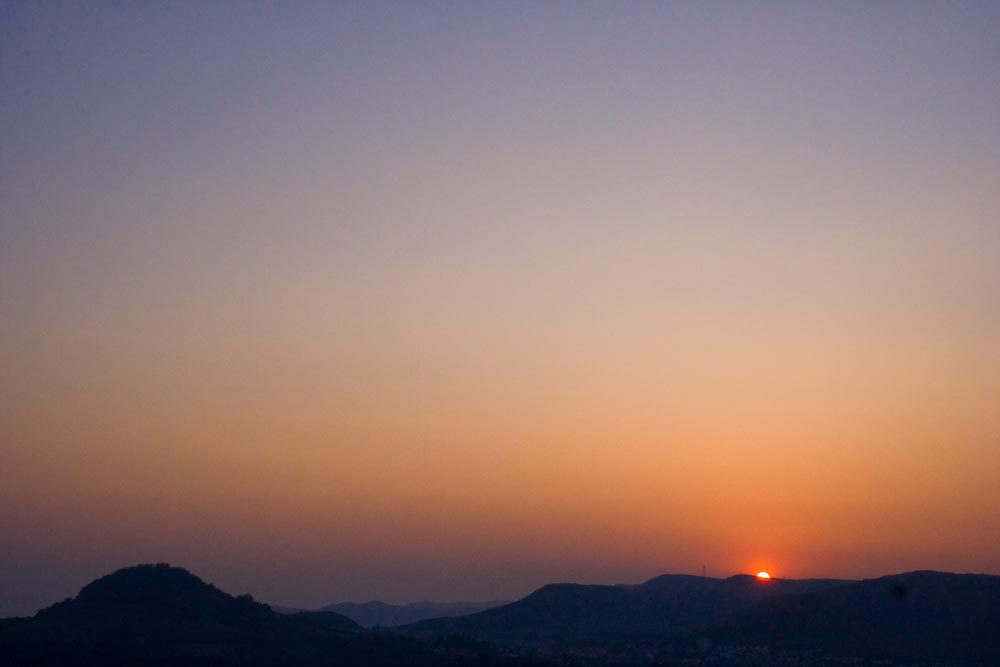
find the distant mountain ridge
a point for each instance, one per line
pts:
(924, 615)
(578, 618)
(380, 614)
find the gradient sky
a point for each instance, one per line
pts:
(349, 301)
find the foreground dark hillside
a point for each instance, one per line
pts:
(162, 615)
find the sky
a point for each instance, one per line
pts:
(341, 301)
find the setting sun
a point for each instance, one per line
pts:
(763, 575)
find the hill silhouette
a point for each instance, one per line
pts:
(163, 615)
(916, 615)
(576, 618)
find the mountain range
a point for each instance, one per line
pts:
(161, 615)
(584, 619)
(917, 615)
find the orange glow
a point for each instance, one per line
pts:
(763, 575)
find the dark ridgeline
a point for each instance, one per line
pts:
(585, 619)
(160, 615)
(930, 616)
